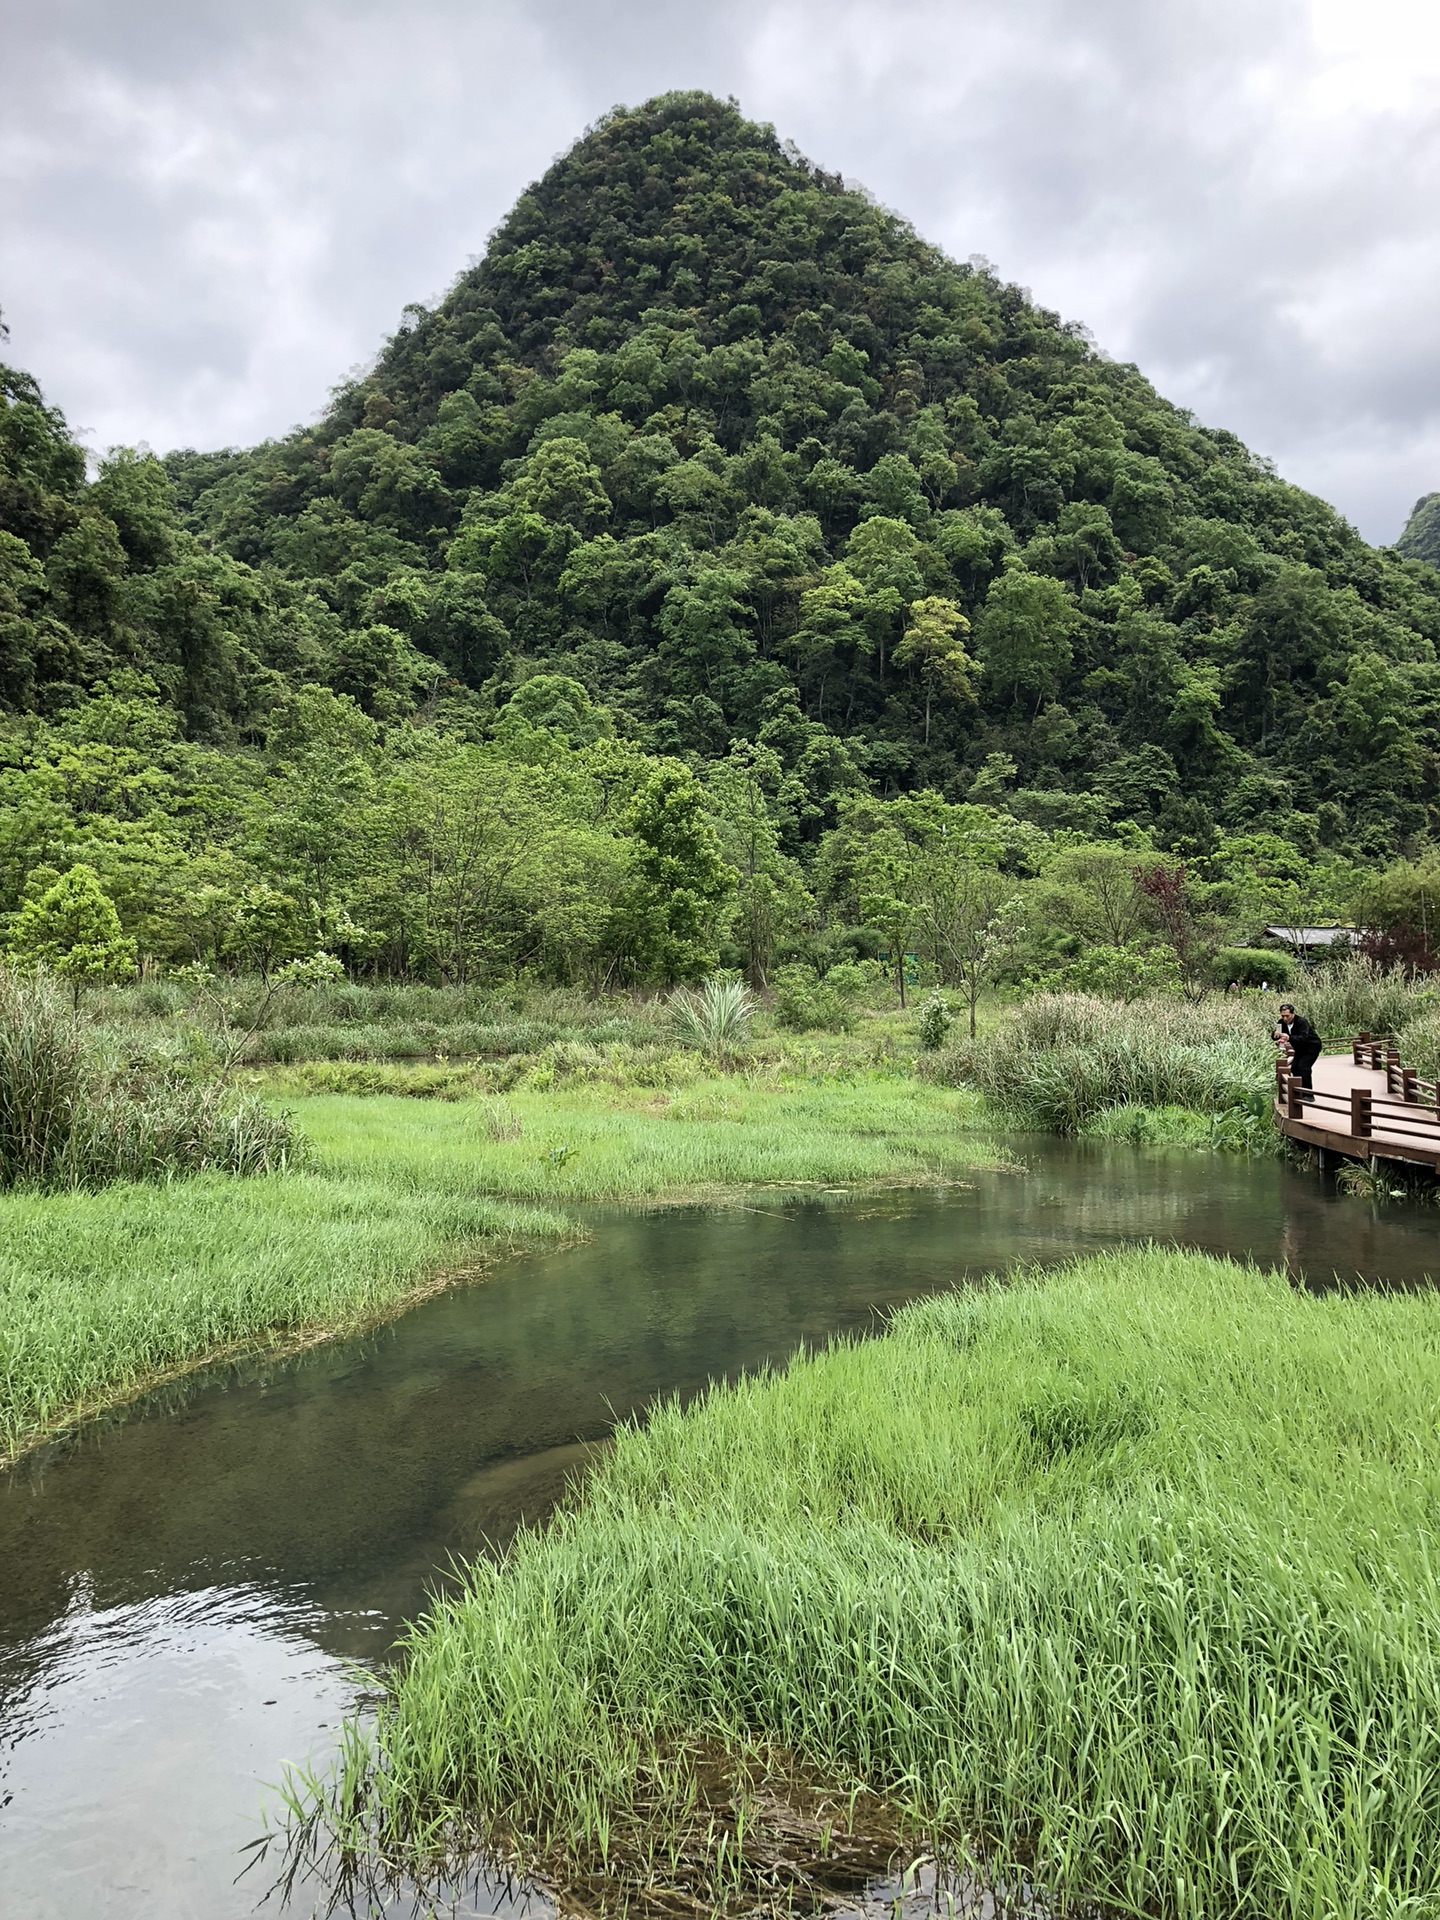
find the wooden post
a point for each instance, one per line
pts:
(1375, 1056)
(1360, 1112)
(1294, 1105)
(1280, 1078)
(1358, 1046)
(1410, 1091)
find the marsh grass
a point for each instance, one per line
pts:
(102, 1293)
(1119, 1581)
(716, 1133)
(70, 1119)
(1060, 1060)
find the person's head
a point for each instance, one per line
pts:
(1287, 1012)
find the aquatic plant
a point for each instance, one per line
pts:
(101, 1292)
(1115, 1582)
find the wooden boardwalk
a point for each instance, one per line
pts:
(1365, 1106)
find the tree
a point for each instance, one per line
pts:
(680, 879)
(1168, 891)
(969, 915)
(74, 929)
(885, 875)
(1024, 636)
(769, 888)
(933, 646)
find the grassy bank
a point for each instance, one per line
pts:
(102, 1292)
(1121, 1577)
(590, 1142)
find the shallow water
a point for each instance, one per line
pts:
(184, 1586)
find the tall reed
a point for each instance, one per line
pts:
(1120, 1582)
(1060, 1059)
(66, 1120)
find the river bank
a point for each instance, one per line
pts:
(1156, 1497)
(102, 1294)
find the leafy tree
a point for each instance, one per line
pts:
(73, 928)
(933, 647)
(680, 879)
(1024, 637)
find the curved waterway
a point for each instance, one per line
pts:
(186, 1588)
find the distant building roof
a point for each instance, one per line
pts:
(1315, 936)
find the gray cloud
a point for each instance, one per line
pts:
(209, 214)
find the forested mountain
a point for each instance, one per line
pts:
(713, 457)
(1421, 538)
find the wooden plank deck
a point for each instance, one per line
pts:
(1395, 1117)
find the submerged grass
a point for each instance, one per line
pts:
(102, 1293)
(588, 1143)
(1121, 1581)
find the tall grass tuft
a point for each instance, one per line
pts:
(1061, 1059)
(68, 1122)
(715, 1018)
(1356, 996)
(1120, 1581)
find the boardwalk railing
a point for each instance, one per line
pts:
(1405, 1115)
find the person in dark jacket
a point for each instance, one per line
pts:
(1295, 1032)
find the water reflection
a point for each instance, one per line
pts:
(181, 1585)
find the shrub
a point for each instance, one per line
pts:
(1353, 995)
(805, 1003)
(934, 1024)
(1252, 967)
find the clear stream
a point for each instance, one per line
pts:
(185, 1588)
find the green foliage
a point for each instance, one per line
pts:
(710, 501)
(1253, 967)
(1175, 1503)
(1240, 1129)
(715, 1018)
(1060, 1060)
(933, 1026)
(102, 1292)
(66, 1122)
(806, 1001)
(1421, 538)
(73, 929)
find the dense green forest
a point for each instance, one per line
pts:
(715, 552)
(1421, 538)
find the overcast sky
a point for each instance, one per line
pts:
(210, 213)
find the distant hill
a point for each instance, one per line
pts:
(740, 452)
(1421, 538)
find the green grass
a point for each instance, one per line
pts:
(1123, 1577)
(1060, 1059)
(101, 1293)
(590, 1143)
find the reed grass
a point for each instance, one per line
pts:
(69, 1119)
(101, 1293)
(1119, 1582)
(1061, 1059)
